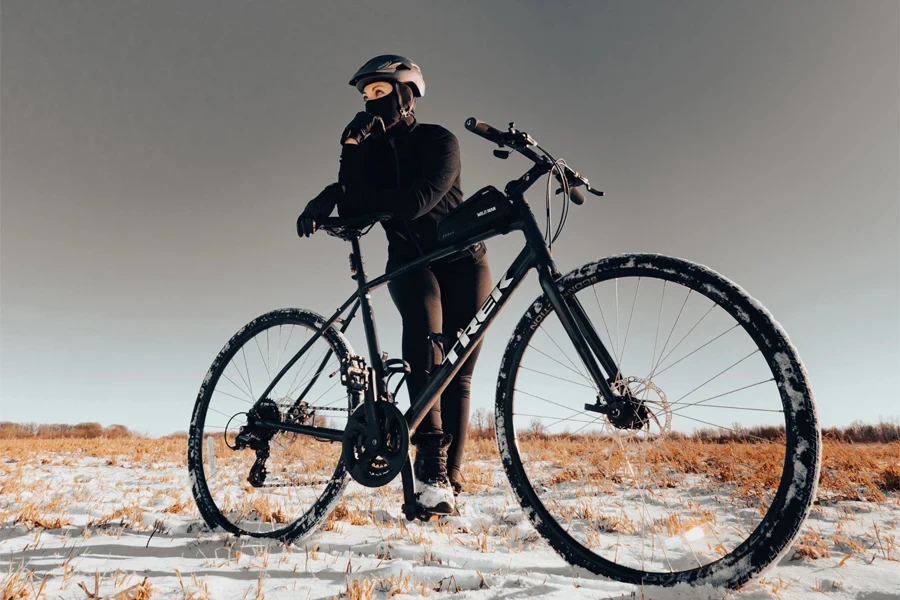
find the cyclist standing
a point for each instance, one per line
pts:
(391, 163)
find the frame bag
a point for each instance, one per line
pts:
(487, 209)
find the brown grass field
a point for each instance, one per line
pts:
(851, 472)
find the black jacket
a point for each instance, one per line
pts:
(412, 172)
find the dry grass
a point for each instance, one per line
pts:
(850, 471)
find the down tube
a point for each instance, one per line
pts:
(470, 336)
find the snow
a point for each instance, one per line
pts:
(489, 551)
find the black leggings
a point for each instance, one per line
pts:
(442, 298)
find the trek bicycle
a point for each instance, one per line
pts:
(654, 421)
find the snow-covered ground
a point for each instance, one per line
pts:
(94, 527)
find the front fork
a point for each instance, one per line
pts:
(584, 336)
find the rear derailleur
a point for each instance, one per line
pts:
(256, 434)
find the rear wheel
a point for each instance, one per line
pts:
(708, 465)
(251, 480)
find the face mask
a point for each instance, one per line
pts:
(388, 107)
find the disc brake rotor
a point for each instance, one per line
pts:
(375, 468)
(647, 411)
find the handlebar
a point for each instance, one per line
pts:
(491, 134)
(521, 142)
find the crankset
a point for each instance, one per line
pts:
(368, 462)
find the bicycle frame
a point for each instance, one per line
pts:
(535, 255)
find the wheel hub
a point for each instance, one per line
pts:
(629, 413)
(640, 405)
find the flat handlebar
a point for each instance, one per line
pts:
(521, 142)
(491, 134)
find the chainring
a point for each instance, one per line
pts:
(375, 468)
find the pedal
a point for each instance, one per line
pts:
(429, 517)
(354, 374)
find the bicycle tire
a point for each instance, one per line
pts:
(798, 482)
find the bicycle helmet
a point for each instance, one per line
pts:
(390, 67)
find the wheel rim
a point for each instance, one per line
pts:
(641, 501)
(301, 471)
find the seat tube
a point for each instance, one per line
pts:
(368, 315)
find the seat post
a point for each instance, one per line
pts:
(365, 299)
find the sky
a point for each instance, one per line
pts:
(154, 157)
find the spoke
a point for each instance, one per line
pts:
(249, 385)
(698, 349)
(605, 326)
(771, 410)
(714, 377)
(628, 327)
(563, 352)
(278, 348)
(656, 337)
(579, 373)
(589, 423)
(284, 349)
(265, 364)
(557, 377)
(343, 396)
(549, 417)
(617, 321)
(552, 402)
(675, 347)
(740, 389)
(236, 385)
(221, 413)
(323, 393)
(671, 331)
(294, 385)
(740, 433)
(301, 369)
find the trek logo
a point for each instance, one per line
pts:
(479, 319)
(481, 213)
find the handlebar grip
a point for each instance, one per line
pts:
(492, 134)
(576, 196)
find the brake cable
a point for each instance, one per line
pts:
(559, 165)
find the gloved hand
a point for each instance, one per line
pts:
(362, 124)
(318, 208)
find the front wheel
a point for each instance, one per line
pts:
(707, 467)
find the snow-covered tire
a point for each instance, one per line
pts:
(797, 487)
(307, 523)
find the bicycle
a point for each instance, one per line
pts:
(633, 493)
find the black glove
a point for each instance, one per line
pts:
(318, 208)
(362, 124)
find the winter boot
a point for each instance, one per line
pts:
(434, 495)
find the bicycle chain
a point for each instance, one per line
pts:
(297, 484)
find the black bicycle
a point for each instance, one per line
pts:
(653, 419)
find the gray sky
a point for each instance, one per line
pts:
(155, 156)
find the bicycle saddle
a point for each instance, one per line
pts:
(351, 227)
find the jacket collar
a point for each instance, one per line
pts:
(402, 128)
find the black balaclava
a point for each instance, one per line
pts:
(395, 107)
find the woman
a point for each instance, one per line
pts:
(391, 163)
